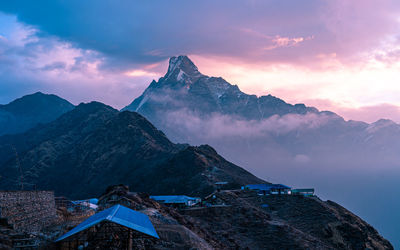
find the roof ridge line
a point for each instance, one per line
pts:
(111, 216)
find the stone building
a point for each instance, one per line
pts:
(27, 211)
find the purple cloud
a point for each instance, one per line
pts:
(31, 63)
(134, 33)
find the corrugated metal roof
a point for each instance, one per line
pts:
(118, 214)
(173, 198)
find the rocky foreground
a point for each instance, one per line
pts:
(240, 219)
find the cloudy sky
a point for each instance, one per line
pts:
(338, 55)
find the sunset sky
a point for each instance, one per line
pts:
(336, 55)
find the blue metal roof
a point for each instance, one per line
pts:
(266, 187)
(258, 186)
(118, 214)
(94, 201)
(280, 186)
(173, 198)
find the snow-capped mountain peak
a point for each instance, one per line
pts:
(181, 68)
(184, 87)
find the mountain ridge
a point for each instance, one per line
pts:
(183, 76)
(94, 146)
(31, 110)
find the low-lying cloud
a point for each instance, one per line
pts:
(217, 126)
(307, 151)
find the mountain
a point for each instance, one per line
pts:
(190, 107)
(93, 146)
(280, 141)
(30, 110)
(187, 88)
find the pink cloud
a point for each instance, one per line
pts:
(351, 30)
(370, 113)
(279, 41)
(114, 58)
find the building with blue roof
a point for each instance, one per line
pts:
(115, 225)
(267, 189)
(86, 204)
(176, 200)
(307, 192)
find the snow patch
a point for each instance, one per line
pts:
(180, 75)
(173, 63)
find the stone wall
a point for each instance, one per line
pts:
(28, 211)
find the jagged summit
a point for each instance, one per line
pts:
(184, 88)
(181, 68)
(184, 63)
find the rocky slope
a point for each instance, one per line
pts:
(31, 110)
(289, 222)
(94, 146)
